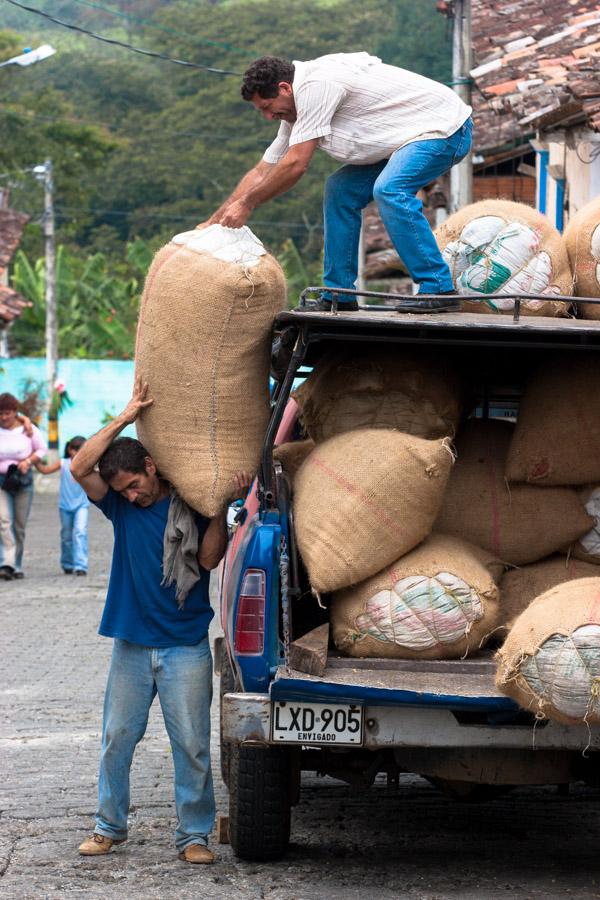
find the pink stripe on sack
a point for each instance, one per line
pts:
(380, 514)
(593, 616)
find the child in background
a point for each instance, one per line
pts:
(73, 507)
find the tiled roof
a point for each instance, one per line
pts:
(537, 64)
(12, 224)
(11, 304)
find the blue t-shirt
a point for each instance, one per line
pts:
(71, 495)
(137, 608)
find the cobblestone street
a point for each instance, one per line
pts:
(410, 843)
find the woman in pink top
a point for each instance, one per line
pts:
(21, 449)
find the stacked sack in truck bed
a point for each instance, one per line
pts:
(366, 499)
(550, 662)
(426, 557)
(582, 238)
(497, 247)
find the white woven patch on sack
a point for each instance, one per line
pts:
(591, 541)
(237, 245)
(565, 672)
(493, 257)
(421, 612)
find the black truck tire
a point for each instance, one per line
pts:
(259, 802)
(226, 686)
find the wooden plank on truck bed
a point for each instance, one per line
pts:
(308, 653)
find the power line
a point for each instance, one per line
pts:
(148, 23)
(114, 42)
(66, 211)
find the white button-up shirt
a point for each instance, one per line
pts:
(362, 110)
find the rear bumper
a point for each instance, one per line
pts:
(247, 719)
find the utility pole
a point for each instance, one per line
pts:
(44, 175)
(461, 175)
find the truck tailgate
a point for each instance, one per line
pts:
(447, 683)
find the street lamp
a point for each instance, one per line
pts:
(43, 174)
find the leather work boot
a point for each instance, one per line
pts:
(197, 853)
(97, 845)
(448, 302)
(324, 305)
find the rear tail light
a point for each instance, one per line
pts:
(249, 637)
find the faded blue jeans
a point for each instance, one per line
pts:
(74, 538)
(182, 678)
(14, 512)
(393, 184)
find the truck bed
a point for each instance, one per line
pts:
(457, 328)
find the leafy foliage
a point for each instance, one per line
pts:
(97, 302)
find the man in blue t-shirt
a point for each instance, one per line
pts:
(160, 644)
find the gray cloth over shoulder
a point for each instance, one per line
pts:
(180, 549)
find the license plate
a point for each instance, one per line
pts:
(316, 723)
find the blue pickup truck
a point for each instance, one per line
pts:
(441, 719)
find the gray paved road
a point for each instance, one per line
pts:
(413, 843)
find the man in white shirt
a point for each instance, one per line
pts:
(393, 130)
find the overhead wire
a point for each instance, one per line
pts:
(153, 53)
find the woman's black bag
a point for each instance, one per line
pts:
(14, 480)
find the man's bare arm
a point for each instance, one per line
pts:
(83, 465)
(279, 179)
(213, 546)
(214, 542)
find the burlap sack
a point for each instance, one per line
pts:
(363, 499)
(438, 602)
(519, 587)
(292, 455)
(203, 345)
(518, 523)
(557, 438)
(387, 387)
(550, 662)
(587, 548)
(497, 247)
(582, 239)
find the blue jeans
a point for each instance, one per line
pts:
(74, 538)
(393, 184)
(182, 678)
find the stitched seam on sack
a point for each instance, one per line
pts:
(381, 514)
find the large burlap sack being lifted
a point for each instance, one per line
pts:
(438, 602)
(582, 239)
(519, 587)
(518, 523)
(557, 437)
(497, 247)
(413, 391)
(203, 346)
(363, 499)
(550, 662)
